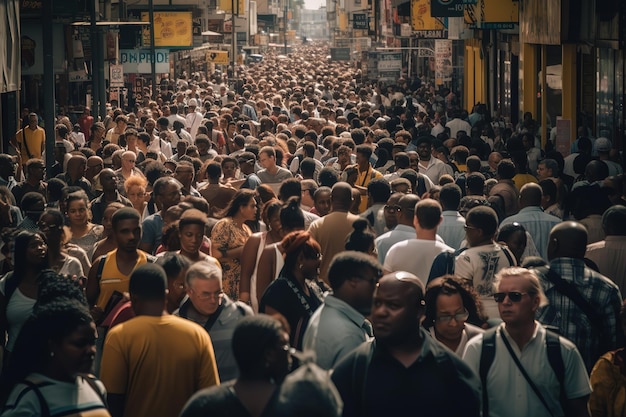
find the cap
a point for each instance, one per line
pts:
(603, 145)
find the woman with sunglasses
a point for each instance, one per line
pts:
(296, 293)
(452, 312)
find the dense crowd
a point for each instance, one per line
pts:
(183, 256)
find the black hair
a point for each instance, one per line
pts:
(448, 285)
(148, 282)
(173, 263)
(290, 187)
(327, 177)
(450, 197)
(379, 189)
(126, 213)
(361, 239)
(20, 262)
(291, 216)
(55, 189)
(475, 183)
(240, 199)
(253, 336)
(483, 218)
(506, 169)
(307, 167)
(351, 263)
(505, 232)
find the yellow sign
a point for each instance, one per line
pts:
(170, 29)
(421, 18)
(217, 57)
(492, 14)
(227, 6)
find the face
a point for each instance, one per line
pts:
(77, 212)
(184, 174)
(191, 237)
(448, 324)
(275, 222)
(391, 212)
(128, 161)
(363, 287)
(36, 251)
(33, 121)
(249, 210)
(150, 125)
(229, 169)
(361, 159)
(395, 312)
(414, 161)
(106, 219)
(127, 234)
(322, 203)
(37, 172)
(266, 161)
(521, 312)
(423, 150)
(181, 147)
(206, 295)
(136, 194)
(343, 158)
(279, 358)
(50, 227)
(543, 172)
(108, 179)
(169, 196)
(75, 353)
(310, 264)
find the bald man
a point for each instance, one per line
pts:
(404, 359)
(593, 333)
(533, 218)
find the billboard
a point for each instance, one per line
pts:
(138, 61)
(492, 14)
(171, 29)
(424, 24)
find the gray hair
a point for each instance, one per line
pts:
(204, 270)
(534, 285)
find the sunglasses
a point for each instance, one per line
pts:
(514, 296)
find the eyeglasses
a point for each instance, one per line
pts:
(458, 317)
(392, 209)
(514, 296)
(45, 226)
(207, 295)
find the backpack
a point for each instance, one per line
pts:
(488, 353)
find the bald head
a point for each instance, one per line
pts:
(567, 240)
(530, 195)
(404, 282)
(341, 196)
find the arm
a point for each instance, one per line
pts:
(116, 404)
(248, 262)
(266, 271)
(93, 283)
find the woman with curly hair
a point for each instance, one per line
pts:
(452, 312)
(296, 293)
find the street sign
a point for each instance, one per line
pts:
(389, 61)
(217, 57)
(446, 8)
(116, 75)
(340, 54)
(360, 21)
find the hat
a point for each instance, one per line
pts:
(603, 145)
(192, 102)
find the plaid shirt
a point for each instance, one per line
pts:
(572, 323)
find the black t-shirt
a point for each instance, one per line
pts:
(222, 401)
(283, 299)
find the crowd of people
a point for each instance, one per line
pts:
(183, 253)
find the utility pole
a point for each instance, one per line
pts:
(234, 41)
(152, 49)
(285, 24)
(49, 83)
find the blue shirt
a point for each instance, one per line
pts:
(452, 228)
(152, 230)
(538, 224)
(334, 330)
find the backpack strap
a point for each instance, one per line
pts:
(91, 380)
(555, 359)
(151, 258)
(103, 259)
(43, 404)
(487, 355)
(512, 262)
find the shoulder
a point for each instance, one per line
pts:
(210, 401)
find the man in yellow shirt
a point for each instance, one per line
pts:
(30, 141)
(153, 363)
(365, 174)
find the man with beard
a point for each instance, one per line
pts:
(403, 369)
(339, 325)
(432, 167)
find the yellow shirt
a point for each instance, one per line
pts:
(112, 279)
(35, 140)
(363, 178)
(158, 363)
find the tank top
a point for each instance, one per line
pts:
(253, 296)
(112, 279)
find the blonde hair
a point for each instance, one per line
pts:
(534, 285)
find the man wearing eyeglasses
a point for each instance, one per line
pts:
(522, 357)
(208, 306)
(401, 208)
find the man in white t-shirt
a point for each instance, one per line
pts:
(194, 118)
(416, 255)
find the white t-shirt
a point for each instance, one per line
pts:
(415, 256)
